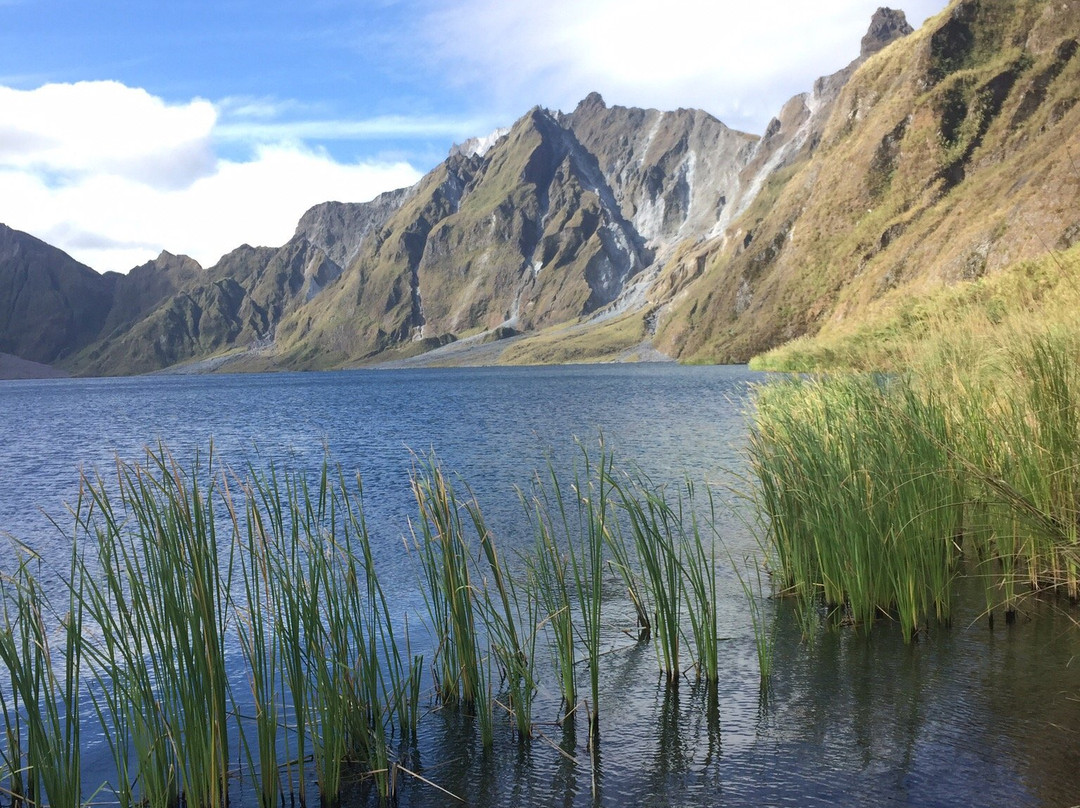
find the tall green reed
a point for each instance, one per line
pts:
(504, 618)
(753, 588)
(548, 571)
(453, 597)
(592, 508)
(655, 535)
(45, 765)
(161, 604)
(699, 564)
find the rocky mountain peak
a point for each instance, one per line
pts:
(593, 102)
(886, 25)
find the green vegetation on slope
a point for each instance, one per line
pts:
(948, 156)
(978, 318)
(582, 342)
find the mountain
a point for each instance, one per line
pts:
(50, 304)
(944, 157)
(935, 157)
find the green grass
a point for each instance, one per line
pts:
(880, 490)
(44, 755)
(581, 342)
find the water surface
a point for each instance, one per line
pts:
(966, 716)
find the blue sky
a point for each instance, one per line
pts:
(129, 126)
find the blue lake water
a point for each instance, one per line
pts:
(967, 716)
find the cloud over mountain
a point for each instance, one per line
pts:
(113, 175)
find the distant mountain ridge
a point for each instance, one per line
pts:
(935, 156)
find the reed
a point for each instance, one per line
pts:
(516, 654)
(592, 501)
(260, 645)
(328, 632)
(288, 589)
(753, 588)
(548, 569)
(385, 682)
(453, 598)
(655, 530)
(43, 756)
(700, 568)
(126, 697)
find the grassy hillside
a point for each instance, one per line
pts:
(975, 320)
(946, 158)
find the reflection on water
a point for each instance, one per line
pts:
(965, 716)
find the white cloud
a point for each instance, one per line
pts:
(70, 131)
(113, 175)
(740, 60)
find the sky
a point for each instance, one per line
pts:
(131, 126)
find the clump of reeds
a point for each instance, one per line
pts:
(327, 681)
(669, 567)
(586, 531)
(699, 560)
(654, 528)
(549, 578)
(175, 572)
(874, 488)
(855, 477)
(330, 643)
(454, 599)
(516, 654)
(160, 602)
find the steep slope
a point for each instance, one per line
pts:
(522, 234)
(340, 228)
(15, 367)
(50, 304)
(142, 289)
(944, 157)
(236, 303)
(673, 173)
(170, 310)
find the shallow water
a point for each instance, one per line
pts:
(966, 716)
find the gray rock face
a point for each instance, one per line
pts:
(796, 132)
(672, 173)
(339, 228)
